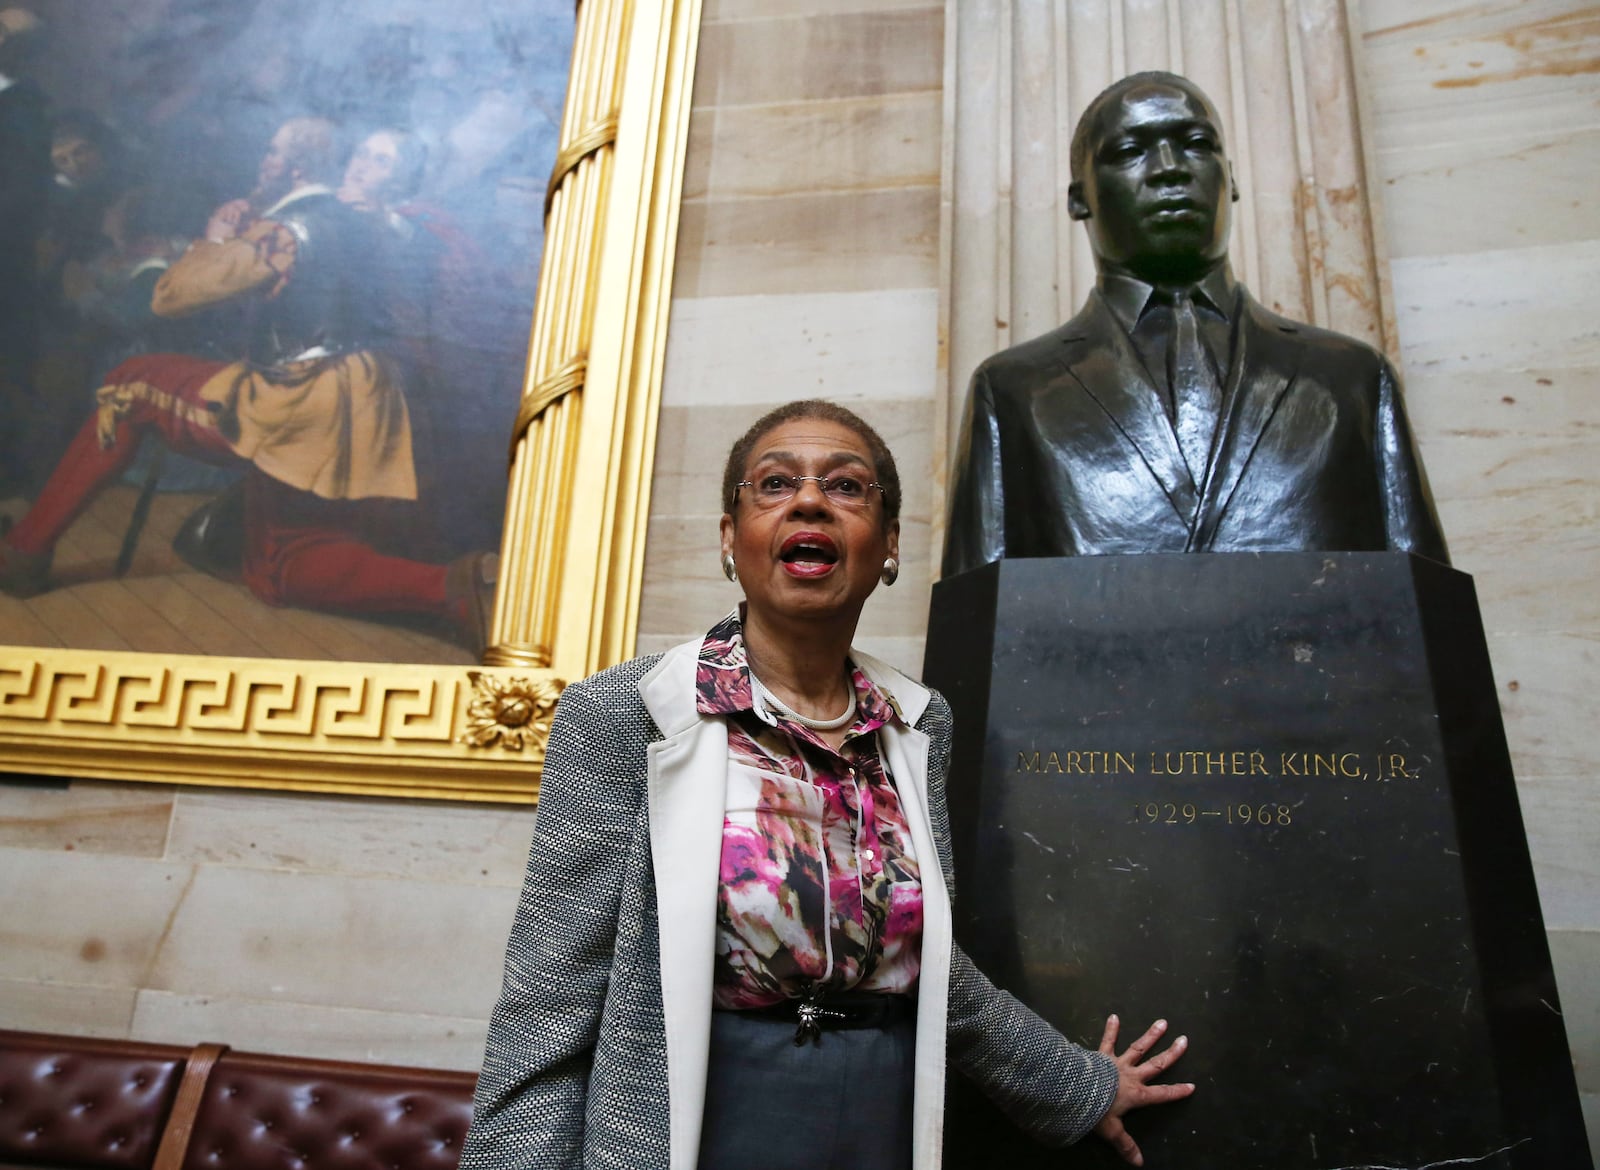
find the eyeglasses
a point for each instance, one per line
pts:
(849, 491)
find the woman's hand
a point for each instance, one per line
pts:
(227, 220)
(1133, 1087)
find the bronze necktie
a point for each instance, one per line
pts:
(1196, 392)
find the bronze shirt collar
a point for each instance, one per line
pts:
(1129, 296)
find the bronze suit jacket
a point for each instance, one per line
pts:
(1067, 451)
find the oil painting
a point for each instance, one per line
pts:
(267, 271)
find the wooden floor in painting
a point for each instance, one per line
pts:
(163, 606)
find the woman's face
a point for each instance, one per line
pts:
(372, 167)
(811, 556)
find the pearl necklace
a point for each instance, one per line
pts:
(778, 706)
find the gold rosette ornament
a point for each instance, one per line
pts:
(512, 712)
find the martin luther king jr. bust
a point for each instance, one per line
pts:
(1174, 413)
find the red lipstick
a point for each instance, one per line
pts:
(808, 554)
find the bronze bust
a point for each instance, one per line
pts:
(1174, 413)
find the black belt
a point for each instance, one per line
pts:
(820, 1012)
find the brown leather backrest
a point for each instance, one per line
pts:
(281, 1113)
(73, 1102)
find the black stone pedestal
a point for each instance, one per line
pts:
(1268, 798)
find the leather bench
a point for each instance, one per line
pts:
(88, 1104)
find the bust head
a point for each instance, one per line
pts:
(1151, 180)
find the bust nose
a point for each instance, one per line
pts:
(1165, 156)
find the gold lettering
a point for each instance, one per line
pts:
(1258, 764)
(1216, 762)
(1053, 763)
(1123, 762)
(1350, 769)
(1027, 763)
(1074, 763)
(1320, 761)
(1291, 764)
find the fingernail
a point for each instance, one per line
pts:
(1161, 1023)
(1181, 1042)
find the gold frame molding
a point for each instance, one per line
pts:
(572, 550)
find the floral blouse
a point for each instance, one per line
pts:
(819, 881)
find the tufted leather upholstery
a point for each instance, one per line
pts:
(67, 1101)
(104, 1105)
(282, 1113)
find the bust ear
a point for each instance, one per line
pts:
(1077, 207)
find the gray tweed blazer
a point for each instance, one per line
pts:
(596, 1053)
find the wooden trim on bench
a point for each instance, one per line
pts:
(186, 1107)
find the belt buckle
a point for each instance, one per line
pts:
(810, 1016)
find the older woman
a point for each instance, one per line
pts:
(733, 945)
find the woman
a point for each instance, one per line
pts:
(733, 945)
(385, 168)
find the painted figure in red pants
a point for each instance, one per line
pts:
(315, 410)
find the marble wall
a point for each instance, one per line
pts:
(347, 928)
(1485, 119)
(807, 267)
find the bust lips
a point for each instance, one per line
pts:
(1176, 209)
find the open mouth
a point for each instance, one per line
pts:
(809, 553)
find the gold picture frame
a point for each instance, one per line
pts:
(573, 540)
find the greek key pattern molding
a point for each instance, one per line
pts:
(343, 726)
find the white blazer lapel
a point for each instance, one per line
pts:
(905, 750)
(687, 779)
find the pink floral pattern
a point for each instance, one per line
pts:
(820, 884)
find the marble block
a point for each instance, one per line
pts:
(1266, 797)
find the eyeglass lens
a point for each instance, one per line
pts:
(774, 489)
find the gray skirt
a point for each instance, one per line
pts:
(841, 1101)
